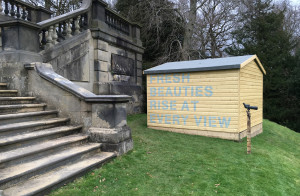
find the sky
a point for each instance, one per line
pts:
(295, 2)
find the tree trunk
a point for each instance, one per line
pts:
(189, 30)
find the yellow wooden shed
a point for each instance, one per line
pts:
(205, 97)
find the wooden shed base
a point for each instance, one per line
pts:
(236, 136)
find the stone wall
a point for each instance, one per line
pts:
(118, 56)
(101, 66)
(74, 59)
(100, 51)
(118, 71)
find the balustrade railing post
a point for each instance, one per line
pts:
(73, 25)
(12, 9)
(54, 35)
(85, 21)
(81, 22)
(49, 37)
(60, 33)
(29, 15)
(18, 12)
(24, 13)
(69, 30)
(65, 27)
(6, 10)
(44, 40)
(77, 26)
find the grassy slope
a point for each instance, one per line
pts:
(165, 163)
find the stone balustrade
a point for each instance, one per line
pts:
(61, 30)
(65, 26)
(23, 11)
(52, 31)
(116, 22)
(17, 9)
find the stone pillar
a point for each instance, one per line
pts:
(20, 35)
(98, 12)
(20, 45)
(109, 127)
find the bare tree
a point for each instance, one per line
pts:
(291, 21)
(208, 24)
(57, 6)
(214, 25)
(188, 11)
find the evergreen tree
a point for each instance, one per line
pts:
(262, 32)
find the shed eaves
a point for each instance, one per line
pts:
(200, 65)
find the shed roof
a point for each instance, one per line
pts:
(235, 62)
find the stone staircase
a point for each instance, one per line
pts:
(40, 151)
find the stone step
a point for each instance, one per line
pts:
(21, 108)
(44, 183)
(41, 149)
(16, 100)
(3, 86)
(30, 126)
(21, 140)
(21, 172)
(27, 116)
(8, 93)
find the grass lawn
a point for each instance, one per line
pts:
(165, 163)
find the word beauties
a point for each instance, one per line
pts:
(195, 91)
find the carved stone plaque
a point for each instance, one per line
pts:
(121, 65)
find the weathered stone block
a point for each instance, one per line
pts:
(102, 88)
(120, 115)
(139, 73)
(101, 76)
(118, 51)
(15, 37)
(79, 50)
(98, 11)
(113, 136)
(130, 54)
(101, 66)
(121, 78)
(135, 98)
(140, 81)
(65, 58)
(139, 57)
(125, 89)
(102, 55)
(102, 45)
(139, 65)
(120, 148)
(85, 107)
(109, 115)
(132, 80)
(78, 70)
(69, 102)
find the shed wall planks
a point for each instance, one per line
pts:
(201, 101)
(251, 92)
